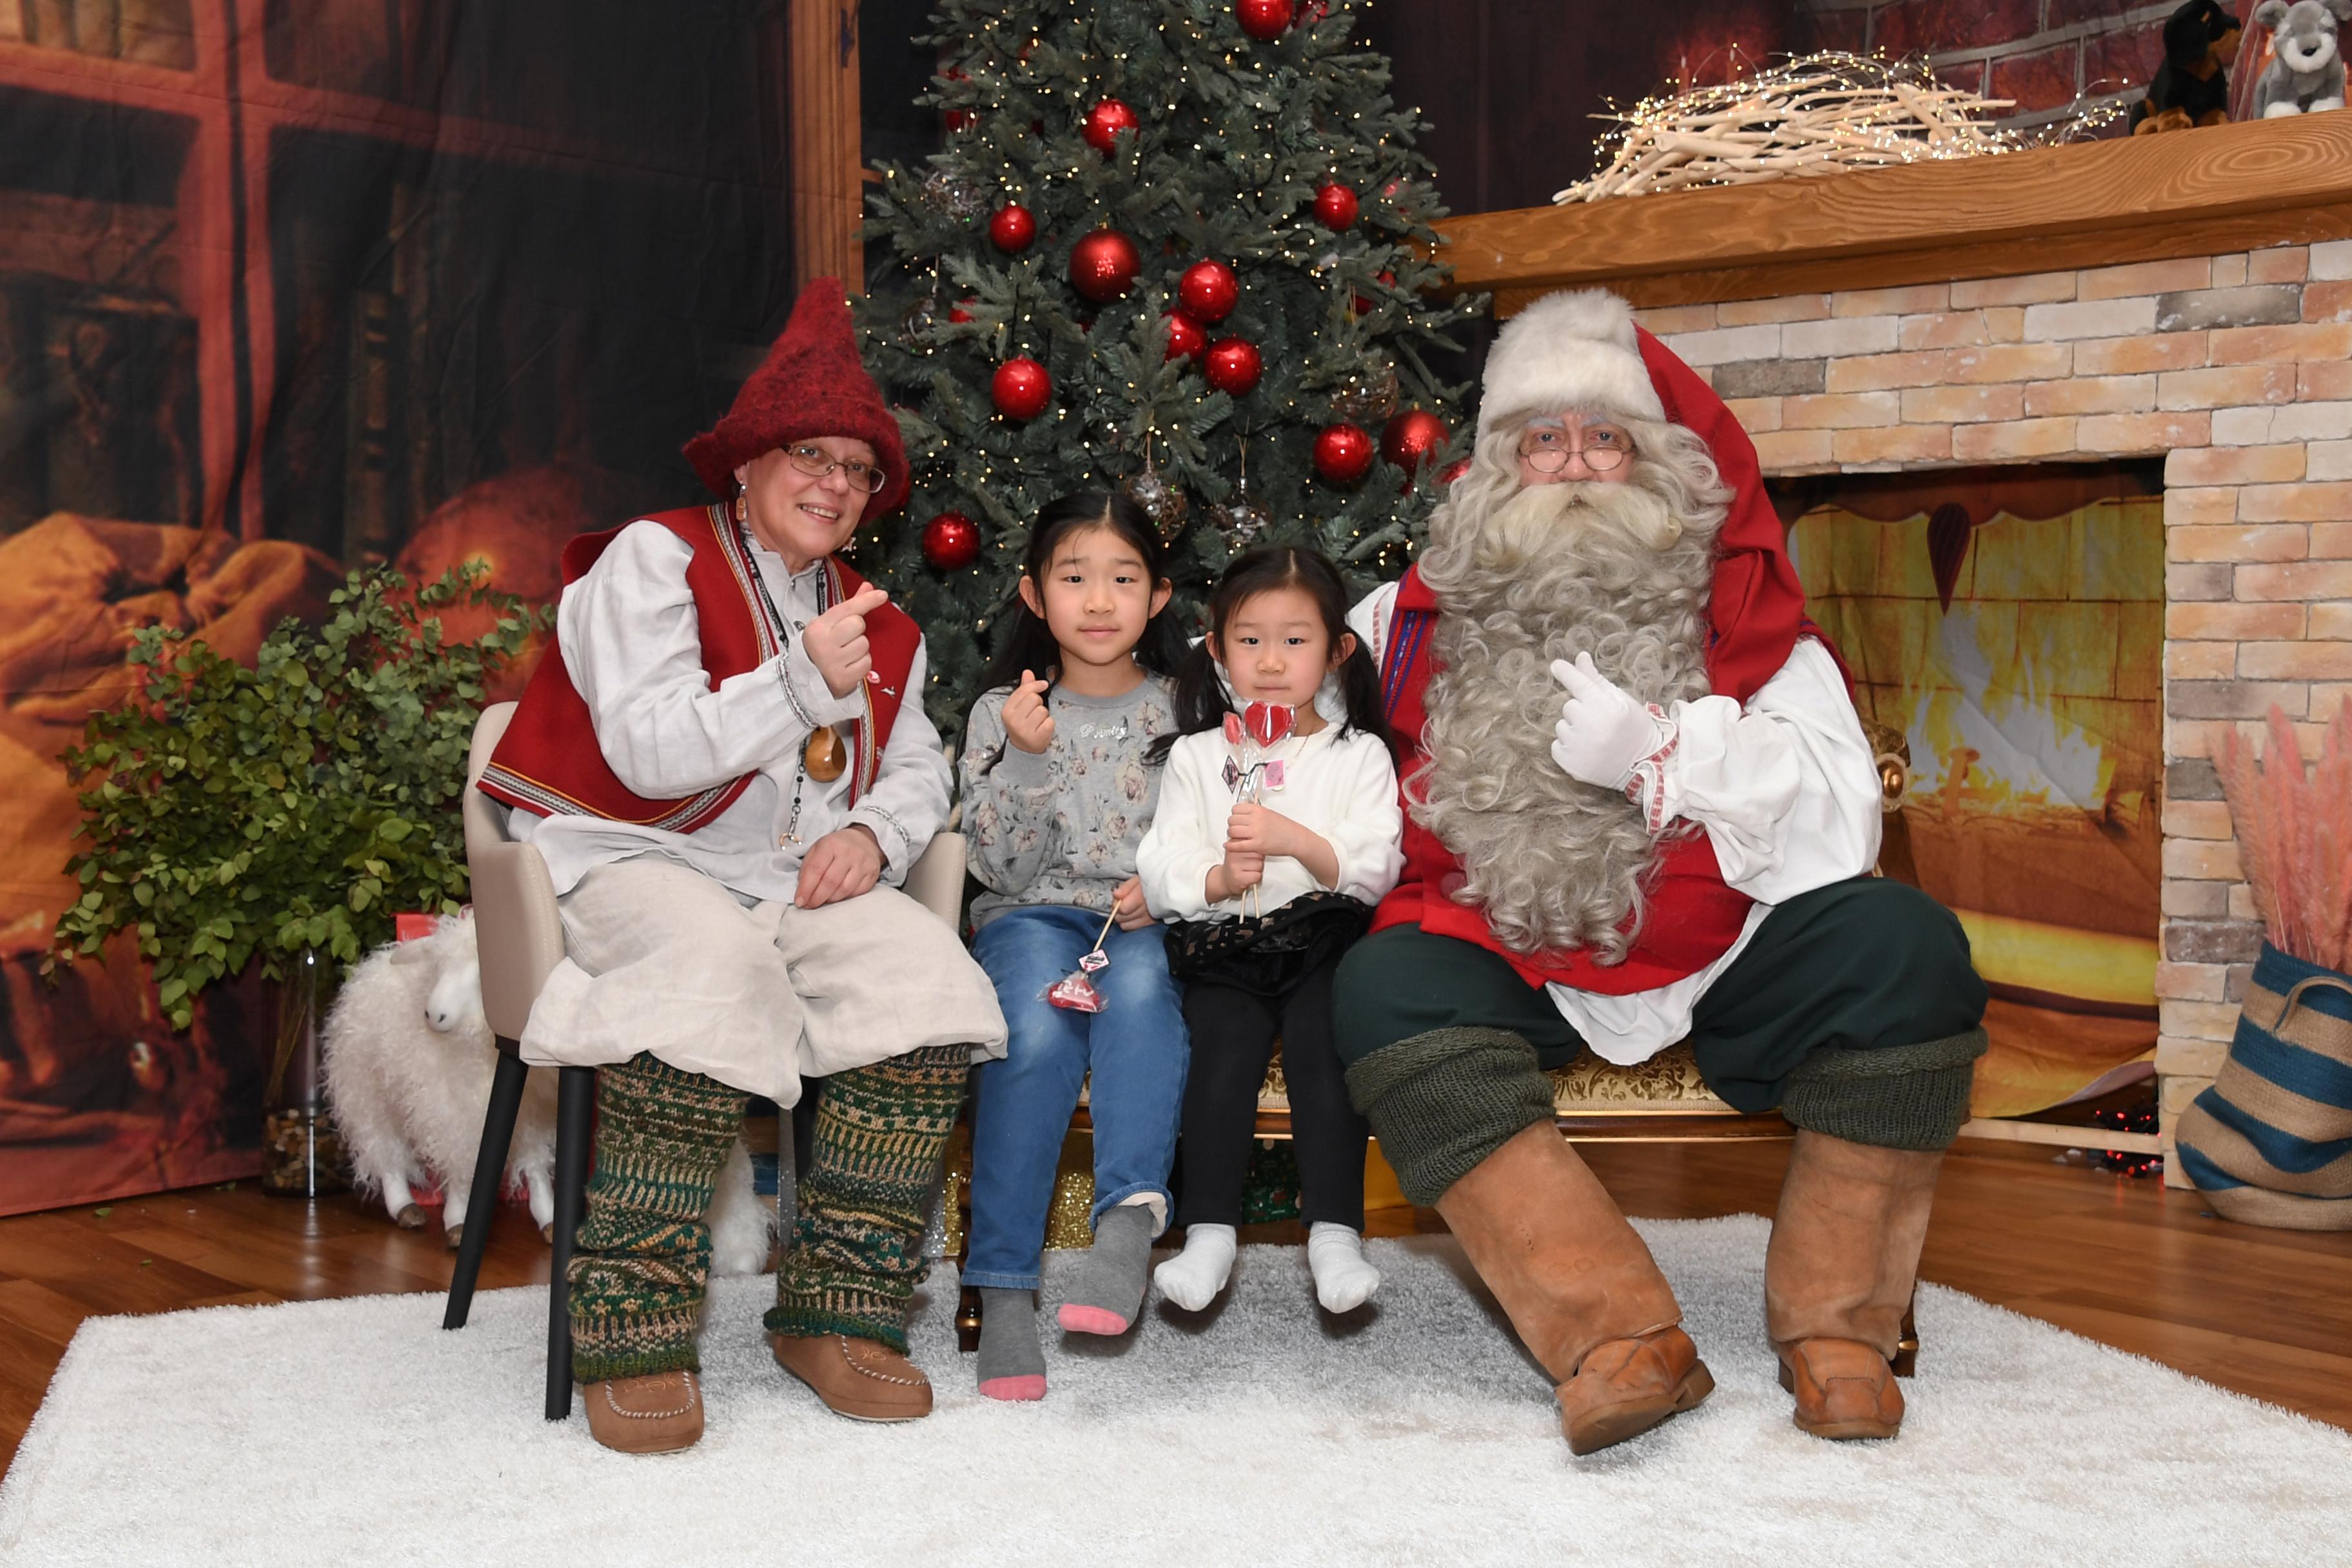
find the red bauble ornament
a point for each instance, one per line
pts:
(1209, 290)
(1335, 207)
(1013, 229)
(1021, 389)
(1453, 470)
(1185, 336)
(1364, 307)
(950, 541)
(1232, 367)
(1264, 20)
(1103, 265)
(960, 312)
(1343, 453)
(1411, 438)
(1105, 122)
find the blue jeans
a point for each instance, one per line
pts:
(1137, 1050)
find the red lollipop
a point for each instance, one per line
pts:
(1208, 291)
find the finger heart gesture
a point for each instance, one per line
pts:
(837, 641)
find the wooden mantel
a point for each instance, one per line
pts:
(2144, 198)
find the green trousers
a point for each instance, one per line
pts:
(642, 1260)
(1854, 1009)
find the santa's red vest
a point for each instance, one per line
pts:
(549, 761)
(1694, 916)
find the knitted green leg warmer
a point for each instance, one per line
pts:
(1897, 1096)
(1443, 1101)
(857, 1239)
(644, 1252)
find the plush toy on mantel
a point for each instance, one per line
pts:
(2192, 86)
(2307, 70)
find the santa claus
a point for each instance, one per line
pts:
(1639, 809)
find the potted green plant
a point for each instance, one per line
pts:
(281, 815)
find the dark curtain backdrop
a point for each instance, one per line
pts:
(290, 285)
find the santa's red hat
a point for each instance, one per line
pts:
(811, 383)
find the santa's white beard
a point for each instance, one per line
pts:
(1552, 572)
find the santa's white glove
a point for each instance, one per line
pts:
(1606, 738)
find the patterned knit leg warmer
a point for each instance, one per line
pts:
(644, 1252)
(857, 1241)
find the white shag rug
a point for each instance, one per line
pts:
(1414, 1432)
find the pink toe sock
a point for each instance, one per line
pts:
(1032, 1386)
(1090, 1320)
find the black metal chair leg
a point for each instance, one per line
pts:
(490, 1171)
(576, 1097)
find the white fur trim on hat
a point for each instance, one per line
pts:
(1574, 349)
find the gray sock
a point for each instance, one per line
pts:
(1009, 1354)
(1111, 1278)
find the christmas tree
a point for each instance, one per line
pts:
(1178, 247)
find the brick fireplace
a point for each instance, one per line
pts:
(2190, 305)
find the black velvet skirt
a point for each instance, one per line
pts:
(1265, 954)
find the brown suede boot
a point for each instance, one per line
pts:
(1578, 1286)
(660, 1412)
(1838, 1279)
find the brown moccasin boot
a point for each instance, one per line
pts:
(1624, 1387)
(1578, 1286)
(862, 1379)
(1844, 1389)
(660, 1412)
(1839, 1276)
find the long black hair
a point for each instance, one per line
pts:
(1025, 641)
(1201, 696)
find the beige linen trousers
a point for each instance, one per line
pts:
(661, 958)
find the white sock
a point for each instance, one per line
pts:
(1335, 1255)
(1194, 1277)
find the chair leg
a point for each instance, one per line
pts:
(575, 1098)
(489, 1168)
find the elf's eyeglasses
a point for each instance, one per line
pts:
(1603, 448)
(816, 462)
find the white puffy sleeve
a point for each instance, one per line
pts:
(1187, 837)
(1367, 826)
(1785, 787)
(632, 646)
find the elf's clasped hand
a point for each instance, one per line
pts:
(1603, 734)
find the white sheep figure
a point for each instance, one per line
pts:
(409, 1059)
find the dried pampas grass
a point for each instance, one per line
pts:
(2294, 836)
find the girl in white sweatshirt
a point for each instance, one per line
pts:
(1277, 832)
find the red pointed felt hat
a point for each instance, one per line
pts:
(811, 383)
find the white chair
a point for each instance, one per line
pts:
(520, 934)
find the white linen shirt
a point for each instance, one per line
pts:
(1786, 791)
(632, 643)
(1342, 789)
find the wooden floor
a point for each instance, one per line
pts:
(2265, 1312)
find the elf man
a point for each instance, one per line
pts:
(1641, 809)
(725, 760)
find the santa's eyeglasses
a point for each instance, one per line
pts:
(1548, 449)
(816, 462)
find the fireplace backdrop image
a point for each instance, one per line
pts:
(291, 286)
(2009, 624)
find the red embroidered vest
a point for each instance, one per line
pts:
(1694, 916)
(549, 761)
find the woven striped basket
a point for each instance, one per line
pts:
(2270, 1142)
